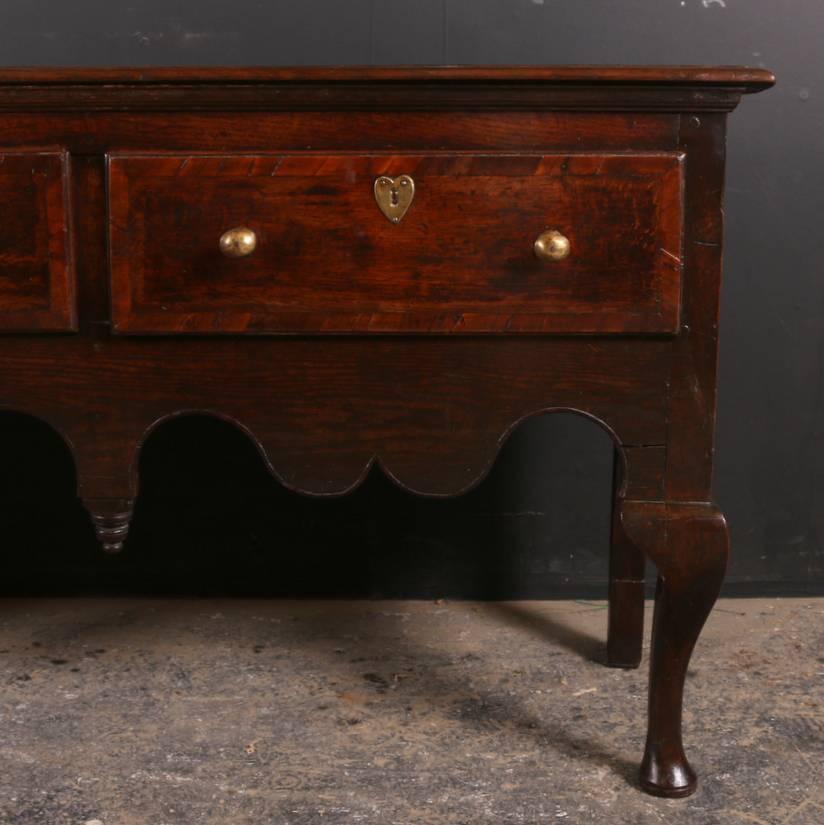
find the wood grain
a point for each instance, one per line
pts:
(753, 79)
(460, 262)
(432, 411)
(36, 274)
(96, 133)
(403, 88)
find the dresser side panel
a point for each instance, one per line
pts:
(693, 386)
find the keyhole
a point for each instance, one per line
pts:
(394, 196)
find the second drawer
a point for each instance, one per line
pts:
(425, 243)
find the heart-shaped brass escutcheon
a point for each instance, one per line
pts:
(394, 196)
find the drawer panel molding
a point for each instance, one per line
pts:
(463, 251)
(36, 272)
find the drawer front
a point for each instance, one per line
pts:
(327, 257)
(36, 282)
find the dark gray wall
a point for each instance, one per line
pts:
(541, 519)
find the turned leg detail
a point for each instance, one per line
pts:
(107, 480)
(625, 630)
(111, 518)
(689, 545)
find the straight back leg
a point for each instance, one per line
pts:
(626, 590)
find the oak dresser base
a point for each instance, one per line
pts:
(386, 265)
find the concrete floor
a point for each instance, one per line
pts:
(182, 712)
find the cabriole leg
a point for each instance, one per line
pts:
(689, 545)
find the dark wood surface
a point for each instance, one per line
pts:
(616, 88)
(750, 79)
(639, 291)
(460, 261)
(36, 276)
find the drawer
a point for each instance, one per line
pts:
(36, 280)
(334, 251)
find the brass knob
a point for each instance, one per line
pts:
(238, 242)
(552, 246)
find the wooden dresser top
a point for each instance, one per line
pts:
(750, 79)
(637, 88)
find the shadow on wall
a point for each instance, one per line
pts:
(213, 521)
